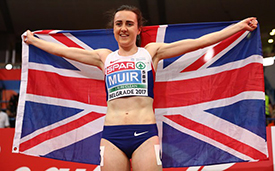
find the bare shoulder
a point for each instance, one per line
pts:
(91, 57)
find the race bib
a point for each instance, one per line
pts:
(127, 78)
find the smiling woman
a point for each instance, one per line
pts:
(139, 18)
(130, 130)
(126, 30)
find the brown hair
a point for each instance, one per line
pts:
(134, 9)
(141, 21)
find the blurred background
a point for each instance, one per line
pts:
(16, 16)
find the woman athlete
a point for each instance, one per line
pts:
(130, 127)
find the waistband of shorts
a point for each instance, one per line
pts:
(131, 125)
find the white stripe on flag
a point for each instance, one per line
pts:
(160, 39)
(219, 167)
(94, 73)
(177, 67)
(193, 168)
(198, 112)
(21, 102)
(208, 140)
(64, 103)
(224, 51)
(161, 33)
(77, 41)
(97, 168)
(65, 140)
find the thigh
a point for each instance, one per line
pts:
(113, 158)
(146, 156)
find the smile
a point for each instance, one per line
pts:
(123, 35)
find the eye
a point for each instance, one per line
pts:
(130, 24)
(118, 23)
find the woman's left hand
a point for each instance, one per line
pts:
(249, 24)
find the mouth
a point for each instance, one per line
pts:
(123, 35)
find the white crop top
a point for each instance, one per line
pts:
(129, 75)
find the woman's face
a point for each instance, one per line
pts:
(126, 28)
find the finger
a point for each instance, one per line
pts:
(253, 23)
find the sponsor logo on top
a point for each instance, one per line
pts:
(120, 66)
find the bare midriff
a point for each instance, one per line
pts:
(130, 110)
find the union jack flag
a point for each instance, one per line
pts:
(209, 104)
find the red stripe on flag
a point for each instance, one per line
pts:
(65, 40)
(217, 49)
(148, 35)
(217, 136)
(197, 90)
(60, 37)
(53, 85)
(59, 130)
(43, 32)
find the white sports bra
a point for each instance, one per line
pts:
(129, 75)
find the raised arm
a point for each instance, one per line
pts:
(95, 57)
(167, 50)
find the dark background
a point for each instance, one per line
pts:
(16, 16)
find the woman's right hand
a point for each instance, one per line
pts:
(28, 37)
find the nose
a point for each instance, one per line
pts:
(124, 28)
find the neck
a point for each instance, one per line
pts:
(126, 51)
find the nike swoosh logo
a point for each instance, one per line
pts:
(141, 133)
